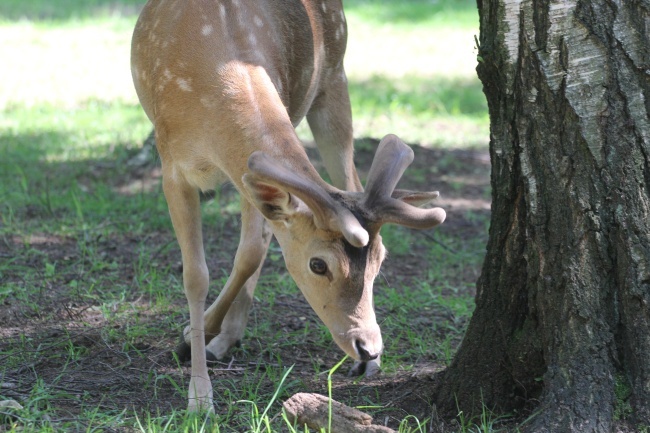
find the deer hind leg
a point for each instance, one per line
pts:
(330, 120)
(234, 324)
(183, 202)
(253, 246)
(225, 320)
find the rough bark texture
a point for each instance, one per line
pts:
(562, 317)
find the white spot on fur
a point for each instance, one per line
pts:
(207, 29)
(183, 84)
(258, 21)
(323, 6)
(208, 102)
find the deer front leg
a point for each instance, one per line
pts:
(184, 208)
(330, 120)
(225, 320)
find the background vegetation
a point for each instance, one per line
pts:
(90, 295)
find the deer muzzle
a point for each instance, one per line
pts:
(361, 343)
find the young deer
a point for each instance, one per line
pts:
(224, 83)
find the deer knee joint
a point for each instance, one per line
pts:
(196, 279)
(248, 259)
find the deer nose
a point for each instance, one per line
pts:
(364, 353)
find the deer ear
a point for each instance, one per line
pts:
(274, 203)
(415, 198)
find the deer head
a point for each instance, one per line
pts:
(330, 238)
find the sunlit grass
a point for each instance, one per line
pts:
(92, 127)
(59, 12)
(429, 110)
(66, 65)
(448, 14)
(395, 50)
(410, 66)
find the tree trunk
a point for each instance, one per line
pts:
(562, 324)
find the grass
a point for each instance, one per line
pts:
(90, 291)
(451, 14)
(411, 69)
(64, 11)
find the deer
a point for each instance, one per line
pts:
(225, 83)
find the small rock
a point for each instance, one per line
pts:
(313, 410)
(10, 404)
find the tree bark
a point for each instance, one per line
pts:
(562, 324)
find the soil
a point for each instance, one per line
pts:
(50, 326)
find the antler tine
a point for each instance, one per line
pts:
(328, 214)
(381, 198)
(397, 212)
(391, 159)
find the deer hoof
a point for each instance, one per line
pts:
(219, 347)
(215, 351)
(183, 351)
(365, 368)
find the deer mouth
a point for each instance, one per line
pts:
(364, 353)
(361, 344)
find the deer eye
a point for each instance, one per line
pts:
(318, 266)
